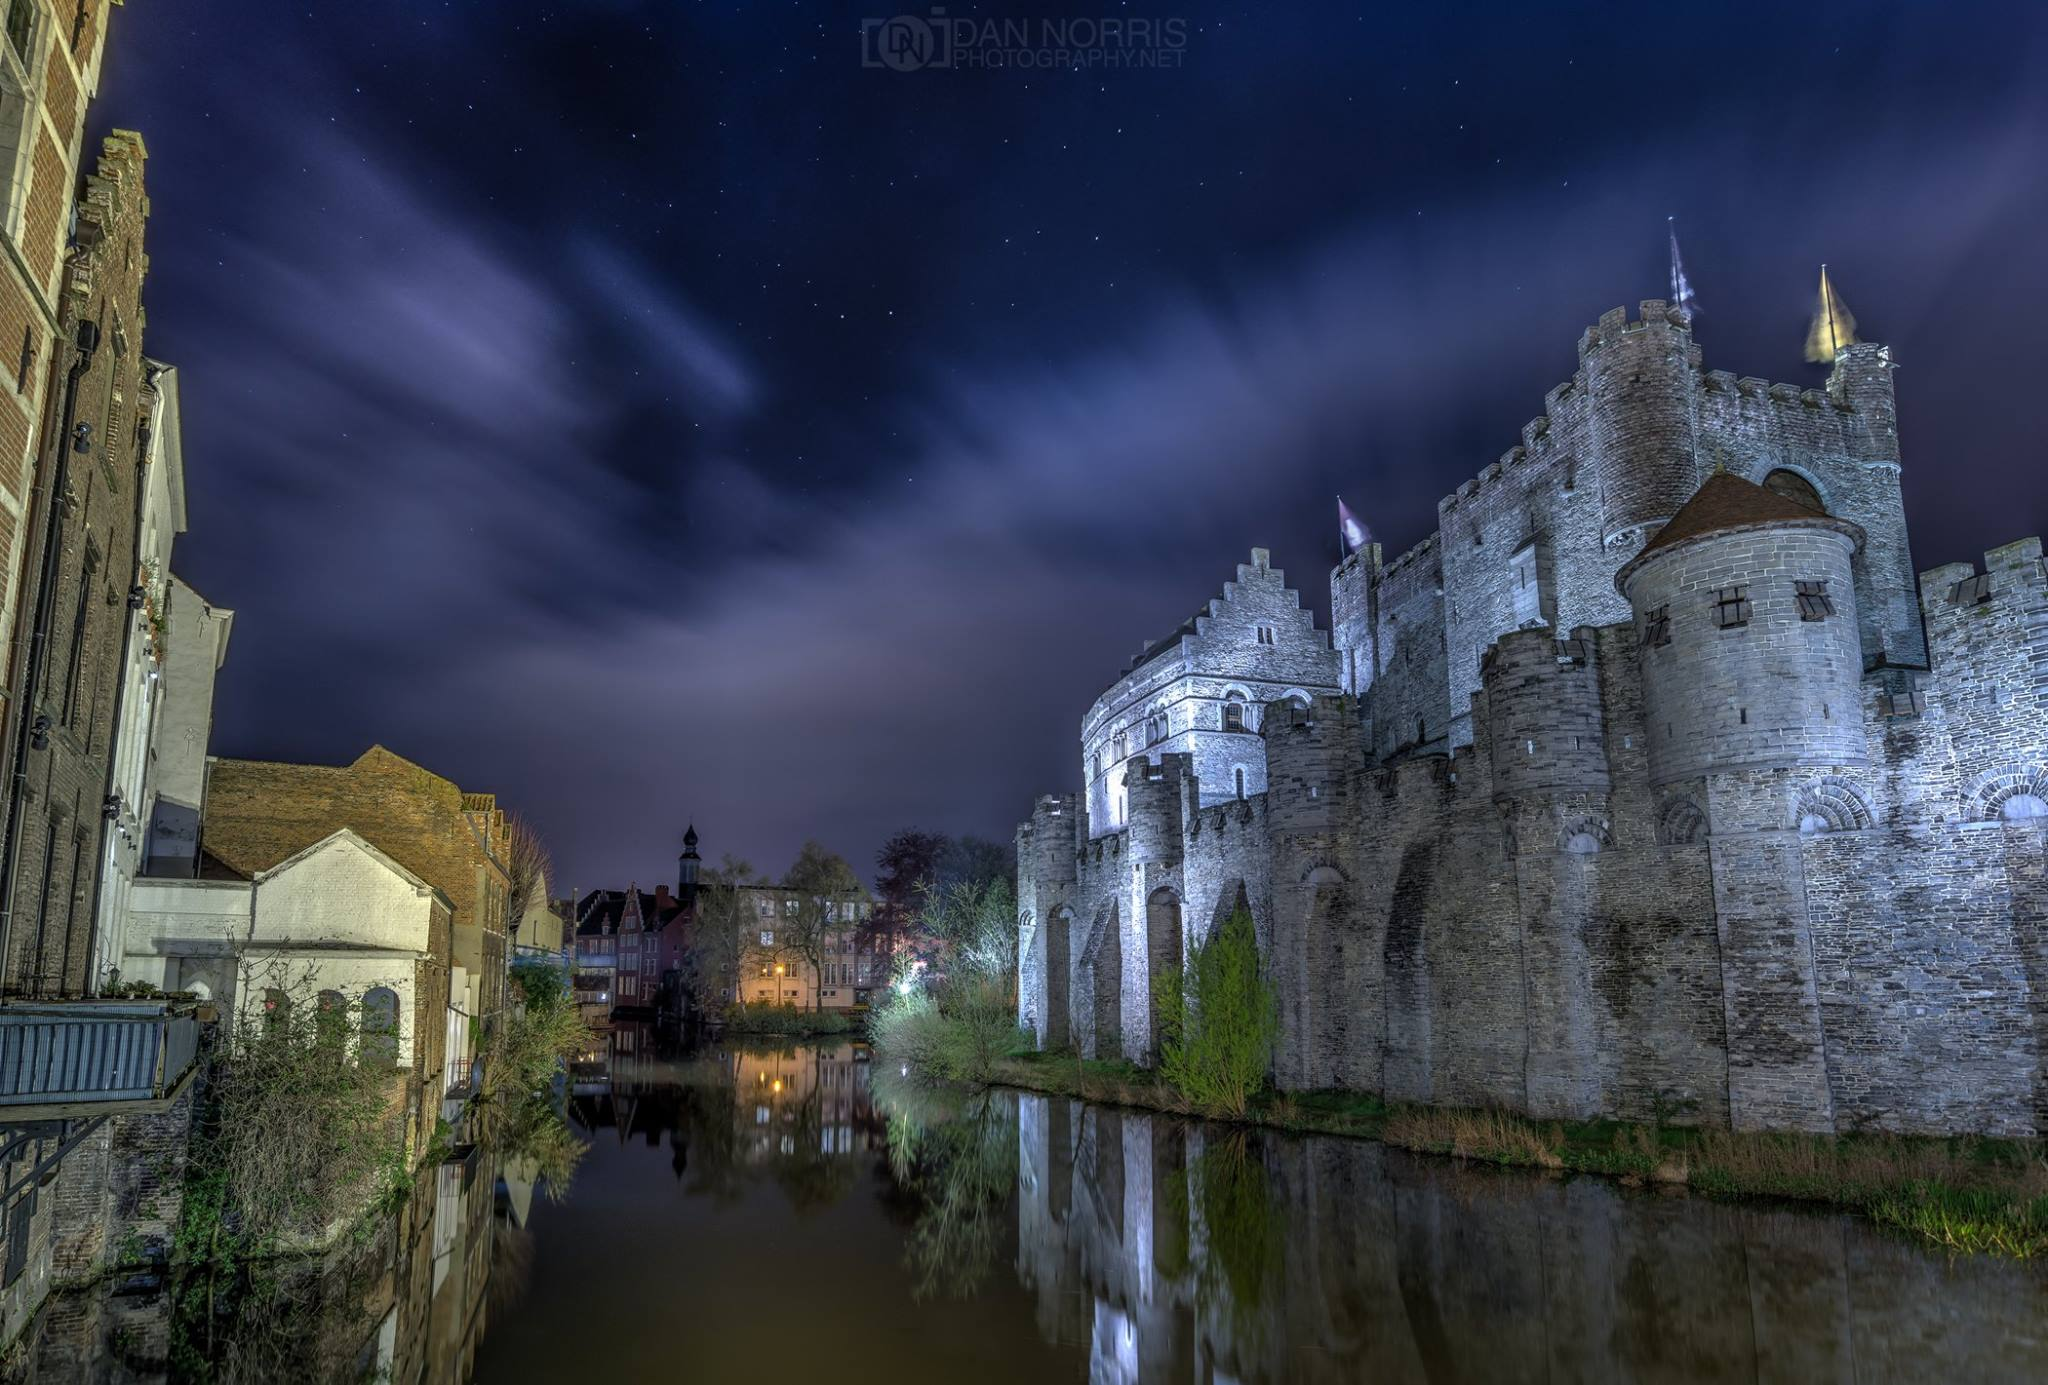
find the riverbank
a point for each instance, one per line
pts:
(1987, 1196)
(783, 1021)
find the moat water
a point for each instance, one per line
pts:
(803, 1212)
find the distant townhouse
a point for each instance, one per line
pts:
(632, 947)
(775, 968)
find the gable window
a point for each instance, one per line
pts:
(1266, 634)
(1731, 607)
(1657, 628)
(1814, 601)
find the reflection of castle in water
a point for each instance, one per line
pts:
(1342, 1260)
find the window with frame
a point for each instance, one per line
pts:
(1814, 601)
(1267, 635)
(19, 97)
(1233, 715)
(1657, 628)
(1732, 609)
(767, 937)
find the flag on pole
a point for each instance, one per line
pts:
(1354, 533)
(1681, 287)
(1833, 327)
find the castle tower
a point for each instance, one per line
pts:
(1746, 610)
(1152, 937)
(1329, 993)
(1745, 607)
(1046, 874)
(1642, 377)
(1354, 618)
(1870, 497)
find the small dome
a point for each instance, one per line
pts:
(690, 835)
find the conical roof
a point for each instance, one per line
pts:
(1728, 502)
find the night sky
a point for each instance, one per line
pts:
(649, 413)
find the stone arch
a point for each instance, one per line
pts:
(1229, 899)
(2010, 793)
(1797, 486)
(1587, 836)
(1832, 805)
(1100, 990)
(1681, 823)
(330, 1019)
(379, 1046)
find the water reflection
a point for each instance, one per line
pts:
(1332, 1260)
(787, 1211)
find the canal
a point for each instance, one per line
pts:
(802, 1212)
(797, 1212)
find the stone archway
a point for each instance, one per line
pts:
(1099, 988)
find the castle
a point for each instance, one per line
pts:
(1650, 782)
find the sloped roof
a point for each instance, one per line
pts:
(1726, 501)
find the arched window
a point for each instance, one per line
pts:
(1795, 488)
(1239, 772)
(380, 1028)
(1233, 712)
(2023, 807)
(330, 1020)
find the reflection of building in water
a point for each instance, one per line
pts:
(1253, 1258)
(793, 1101)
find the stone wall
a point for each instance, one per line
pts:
(1643, 857)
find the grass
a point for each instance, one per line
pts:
(784, 1019)
(1964, 1194)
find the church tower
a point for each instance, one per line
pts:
(686, 868)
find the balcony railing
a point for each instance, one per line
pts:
(88, 1051)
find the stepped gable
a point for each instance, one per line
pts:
(1728, 502)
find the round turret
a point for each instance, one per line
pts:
(1745, 610)
(1543, 711)
(1641, 379)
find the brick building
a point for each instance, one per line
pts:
(259, 812)
(81, 610)
(1656, 780)
(774, 969)
(50, 57)
(632, 947)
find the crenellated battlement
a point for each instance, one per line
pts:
(1961, 603)
(1653, 315)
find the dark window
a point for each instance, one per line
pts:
(28, 359)
(1795, 488)
(1265, 634)
(1240, 782)
(1814, 601)
(1657, 628)
(21, 27)
(1731, 607)
(380, 1026)
(1971, 591)
(1233, 716)
(75, 660)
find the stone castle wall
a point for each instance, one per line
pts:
(1759, 870)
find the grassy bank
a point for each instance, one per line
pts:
(785, 1020)
(1964, 1194)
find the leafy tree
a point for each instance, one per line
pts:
(821, 881)
(1218, 1023)
(906, 866)
(978, 862)
(713, 952)
(527, 867)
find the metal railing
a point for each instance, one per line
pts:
(91, 1051)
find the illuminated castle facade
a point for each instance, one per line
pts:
(1651, 780)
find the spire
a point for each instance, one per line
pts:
(686, 867)
(1681, 287)
(1833, 327)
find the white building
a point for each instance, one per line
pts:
(340, 925)
(174, 645)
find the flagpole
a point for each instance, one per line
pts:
(1827, 305)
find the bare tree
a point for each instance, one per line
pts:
(527, 868)
(823, 883)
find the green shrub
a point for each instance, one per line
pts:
(1217, 1025)
(785, 1019)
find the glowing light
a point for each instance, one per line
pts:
(776, 1085)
